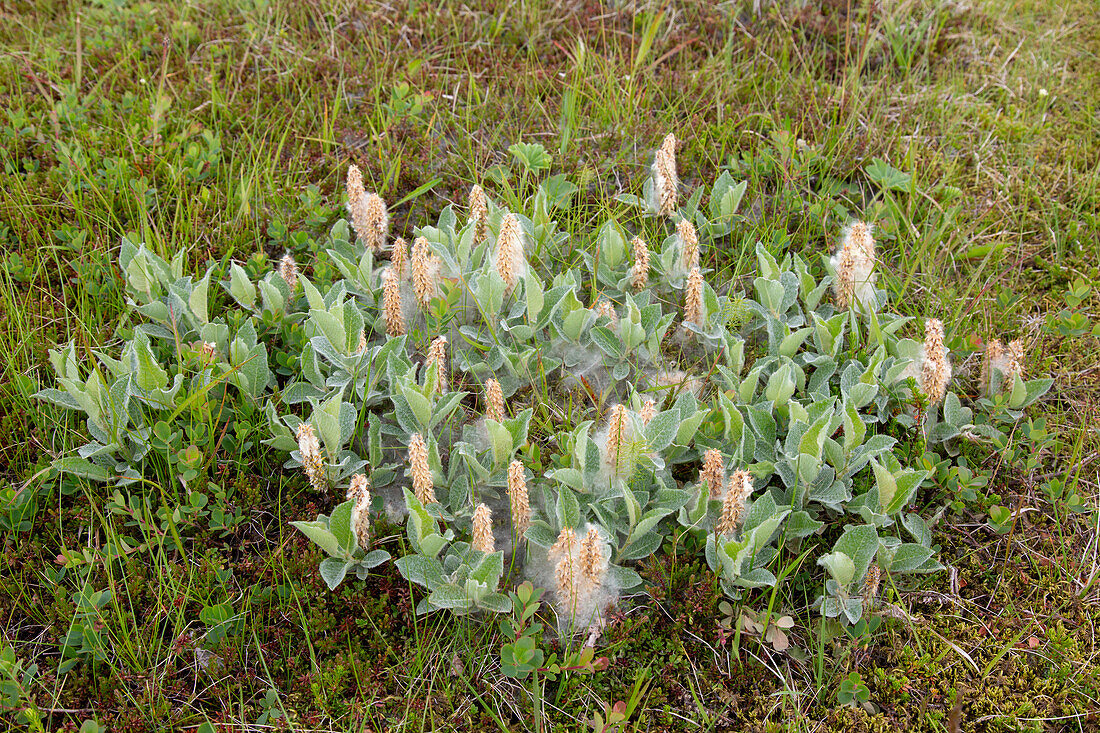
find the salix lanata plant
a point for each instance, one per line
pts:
(412, 385)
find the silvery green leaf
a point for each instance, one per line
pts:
(424, 571)
(860, 394)
(374, 558)
(770, 294)
(317, 530)
(333, 571)
(199, 298)
(608, 342)
(840, 566)
(150, 374)
(763, 425)
(495, 602)
(568, 509)
(489, 570)
(661, 430)
(917, 527)
(570, 477)
(313, 296)
(860, 543)
(540, 534)
(339, 524)
(908, 558)
(800, 524)
(685, 431)
(640, 547)
(240, 287)
(793, 342)
(500, 441)
(886, 483)
(452, 597)
(80, 467)
(769, 268)
(781, 385)
(420, 406)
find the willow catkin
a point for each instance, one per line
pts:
(483, 529)
(992, 360)
(713, 473)
(605, 309)
(518, 499)
(423, 275)
(369, 217)
(399, 257)
(391, 305)
(935, 370)
(494, 401)
(665, 180)
(648, 411)
(509, 251)
(591, 560)
(288, 270)
(421, 472)
(689, 244)
(359, 492)
(639, 271)
(870, 586)
(617, 432)
(693, 298)
(313, 463)
(362, 341)
(853, 266)
(733, 505)
(437, 355)
(567, 569)
(479, 213)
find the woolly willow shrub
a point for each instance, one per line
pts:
(413, 379)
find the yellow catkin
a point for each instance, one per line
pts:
(494, 401)
(391, 305)
(359, 492)
(693, 298)
(639, 271)
(378, 222)
(1015, 364)
(733, 505)
(517, 497)
(991, 360)
(364, 212)
(605, 309)
(844, 282)
(479, 213)
(399, 257)
(313, 463)
(859, 237)
(935, 371)
(665, 180)
(483, 529)
(689, 244)
(288, 270)
(567, 570)
(648, 411)
(437, 355)
(509, 252)
(713, 473)
(854, 264)
(421, 473)
(618, 430)
(422, 272)
(870, 586)
(591, 558)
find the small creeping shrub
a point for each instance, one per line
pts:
(415, 377)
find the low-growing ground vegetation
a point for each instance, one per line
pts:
(219, 136)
